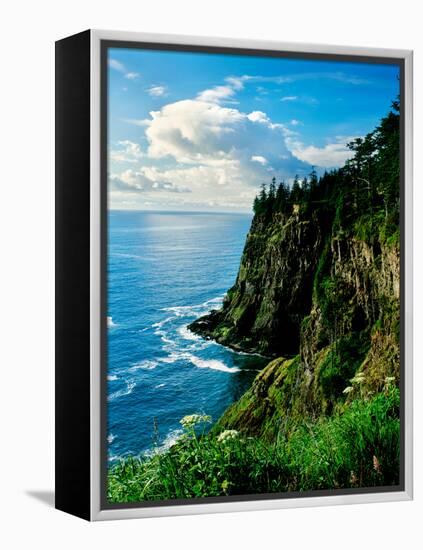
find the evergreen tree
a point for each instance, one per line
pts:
(361, 193)
(282, 195)
(271, 197)
(313, 183)
(296, 191)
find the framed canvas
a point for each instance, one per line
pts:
(233, 275)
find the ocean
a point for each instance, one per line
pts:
(166, 269)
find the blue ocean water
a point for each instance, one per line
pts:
(165, 270)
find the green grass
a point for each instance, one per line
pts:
(356, 448)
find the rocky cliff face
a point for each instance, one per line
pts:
(325, 302)
(273, 291)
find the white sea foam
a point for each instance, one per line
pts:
(171, 358)
(113, 458)
(166, 340)
(130, 385)
(112, 377)
(182, 311)
(111, 438)
(197, 309)
(160, 324)
(162, 333)
(170, 440)
(213, 364)
(187, 334)
(110, 323)
(148, 364)
(159, 386)
(217, 300)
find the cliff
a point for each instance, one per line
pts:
(318, 290)
(349, 343)
(263, 311)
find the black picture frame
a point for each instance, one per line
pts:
(81, 204)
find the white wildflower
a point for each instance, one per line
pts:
(191, 420)
(227, 435)
(348, 389)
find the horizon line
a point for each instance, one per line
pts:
(180, 211)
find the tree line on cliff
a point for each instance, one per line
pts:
(365, 185)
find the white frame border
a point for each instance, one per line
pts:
(95, 277)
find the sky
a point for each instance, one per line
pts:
(201, 132)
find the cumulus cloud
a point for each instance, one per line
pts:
(332, 155)
(132, 76)
(136, 181)
(258, 116)
(199, 177)
(220, 153)
(262, 118)
(198, 132)
(194, 187)
(205, 150)
(127, 151)
(192, 131)
(216, 94)
(157, 91)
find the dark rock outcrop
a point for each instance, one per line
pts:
(263, 311)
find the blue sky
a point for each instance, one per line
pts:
(198, 131)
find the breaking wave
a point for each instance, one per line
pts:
(130, 385)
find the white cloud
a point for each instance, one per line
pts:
(208, 186)
(128, 151)
(225, 93)
(308, 100)
(237, 82)
(120, 67)
(203, 152)
(259, 158)
(117, 65)
(157, 91)
(331, 155)
(258, 116)
(262, 118)
(216, 146)
(201, 177)
(216, 94)
(338, 76)
(138, 122)
(193, 131)
(136, 181)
